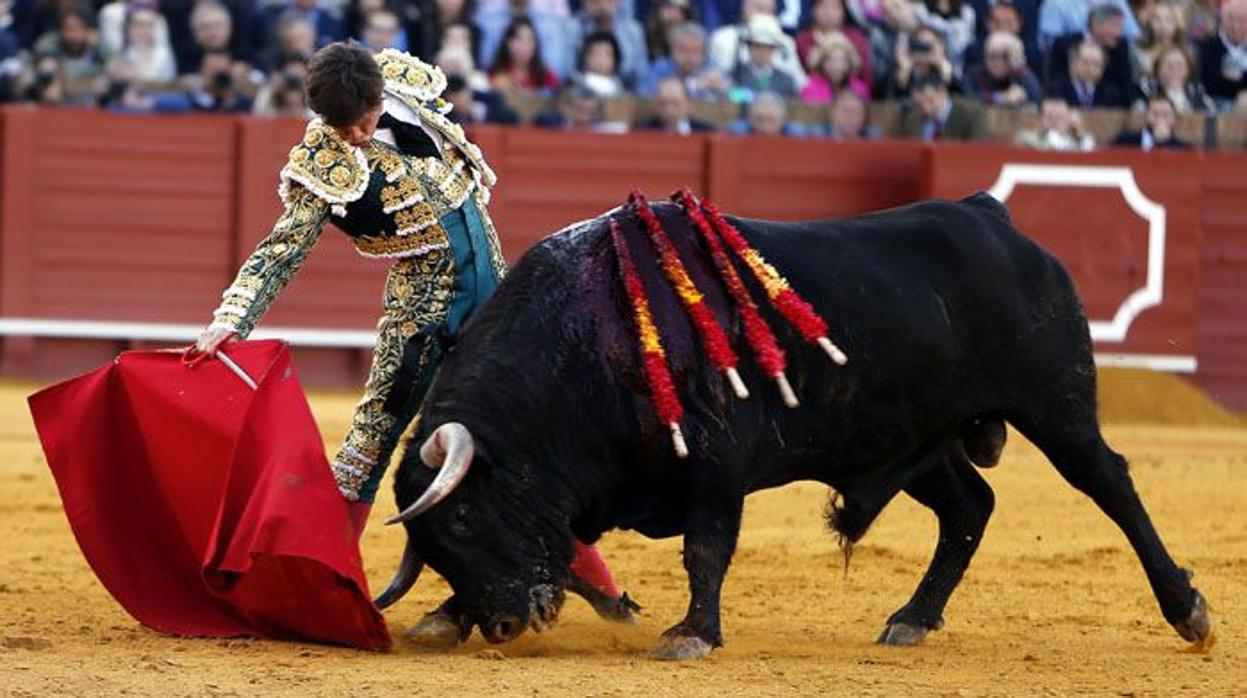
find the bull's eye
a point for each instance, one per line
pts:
(460, 519)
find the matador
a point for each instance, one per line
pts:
(385, 164)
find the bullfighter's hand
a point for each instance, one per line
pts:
(212, 338)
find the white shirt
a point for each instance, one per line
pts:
(398, 109)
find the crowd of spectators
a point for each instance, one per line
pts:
(945, 60)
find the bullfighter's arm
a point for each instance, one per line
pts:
(273, 263)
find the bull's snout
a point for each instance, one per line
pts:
(503, 629)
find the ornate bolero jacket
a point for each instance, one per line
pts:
(388, 202)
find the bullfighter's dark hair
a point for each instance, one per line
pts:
(343, 83)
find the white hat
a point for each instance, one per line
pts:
(764, 29)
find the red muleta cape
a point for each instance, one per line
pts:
(204, 506)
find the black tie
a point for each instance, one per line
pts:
(410, 139)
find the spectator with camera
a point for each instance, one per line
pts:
(282, 94)
(936, 115)
(919, 56)
(69, 63)
(1004, 79)
(1060, 128)
(196, 28)
(1158, 131)
(889, 37)
(1085, 87)
(954, 21)
(1223, 58)
(703, 82)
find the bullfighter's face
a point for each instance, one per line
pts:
(505, 558)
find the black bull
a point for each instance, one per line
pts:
(952, 320)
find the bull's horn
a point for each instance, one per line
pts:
(449, 451)
(408, 572)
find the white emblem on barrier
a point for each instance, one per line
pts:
(1122, 178)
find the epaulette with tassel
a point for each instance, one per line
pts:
(720, 237)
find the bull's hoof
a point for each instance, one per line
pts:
(1197, 626)
(437, 631)
(902, 635)
(682, 647)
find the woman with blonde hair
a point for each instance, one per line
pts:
(834, 66)
(1164, 27)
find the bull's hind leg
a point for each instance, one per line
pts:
(962, 501)
(1079, 453)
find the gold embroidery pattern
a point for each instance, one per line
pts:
(390, 162)
(431, 238)
(409, 76)
(327, 166)
(401, 194)
(496, 259)
(413, 220)
(418, 294)
(273, 263)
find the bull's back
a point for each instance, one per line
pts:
(933, 303)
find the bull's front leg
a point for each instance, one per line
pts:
(709, 541)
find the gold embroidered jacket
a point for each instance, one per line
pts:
(389, 203)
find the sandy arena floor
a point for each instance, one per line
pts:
(1054, 604)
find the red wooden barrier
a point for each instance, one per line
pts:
(1222, 319)
(1125, 224)
(145, 219)
(786, 179)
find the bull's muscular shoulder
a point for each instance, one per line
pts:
(986, 202)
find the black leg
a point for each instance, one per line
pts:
(962, 501)
(621, 610)
(1094, 469)
(709, 541)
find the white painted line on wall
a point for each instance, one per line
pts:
(1155, 362)
(169, 332)
(1121, 178)
(357, 339)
